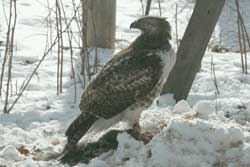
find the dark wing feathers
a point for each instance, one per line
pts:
(128, 76)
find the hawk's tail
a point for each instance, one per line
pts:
(78, 128)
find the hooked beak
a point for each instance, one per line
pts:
(134, 25)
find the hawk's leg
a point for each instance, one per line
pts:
(139, 134)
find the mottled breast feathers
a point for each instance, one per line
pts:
(129, 76)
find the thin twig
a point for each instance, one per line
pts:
(242, 32)
(244, 29)
(58, 51)
(70, 35)
(239, 36)
(214, 76)
(61, 45)
(10, 57)
(159, 4)
(244, 47)
(7, 47)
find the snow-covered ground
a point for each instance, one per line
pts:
(209, 129)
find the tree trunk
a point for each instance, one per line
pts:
(192, 47)
(101, 18)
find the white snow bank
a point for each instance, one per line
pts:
(11, 153)
(184, 136)
(189, 138)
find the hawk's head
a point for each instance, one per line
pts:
(152, 25)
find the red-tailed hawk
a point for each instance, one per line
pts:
(129, 82)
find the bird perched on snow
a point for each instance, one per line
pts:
(129, 82)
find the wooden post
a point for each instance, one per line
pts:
(193, 47)
(101, 20)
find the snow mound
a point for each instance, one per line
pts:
(185, 137)
(11, 153)
(195, 143)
